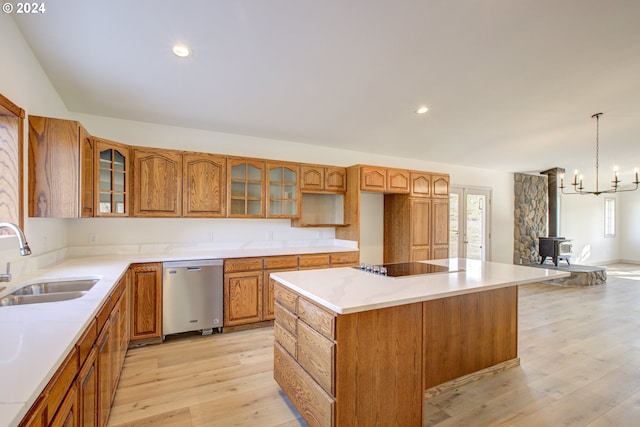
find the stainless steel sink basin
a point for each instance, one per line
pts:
(62, 290)
(35, 299)
(56, 287)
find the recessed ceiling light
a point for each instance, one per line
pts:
(181, 50)
(422, 110)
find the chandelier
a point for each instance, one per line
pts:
(578, 188)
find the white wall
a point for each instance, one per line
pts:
(23, 81)
(629, 226)
(582, 220)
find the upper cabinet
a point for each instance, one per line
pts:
(284, 197)
(157, 182)
(205, 185)
(385, 180)
(420, 184)
(246, 188)
(112, 183)
(320, 179)
(60, 169)
(440, 186)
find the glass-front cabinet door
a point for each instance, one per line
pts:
(112, 169)
(283, 200)
(246, 188)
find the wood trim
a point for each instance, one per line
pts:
(475, 376)
(8, 108)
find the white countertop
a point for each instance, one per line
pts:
(35, 339)
(349, 290)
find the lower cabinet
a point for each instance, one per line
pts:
(88, 391)
(82, 389)
(146, 302)
(243, 298)
(351, 369)
(67, 415)
(248, 287)
(103, 346)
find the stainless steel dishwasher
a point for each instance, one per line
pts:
(192, 296)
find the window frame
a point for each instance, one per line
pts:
(609, 217)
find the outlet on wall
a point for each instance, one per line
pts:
(210, 236)
(92, 239)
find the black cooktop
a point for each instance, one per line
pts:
(401, 269)
(414, 268)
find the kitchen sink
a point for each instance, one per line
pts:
(56, 287)
(35, 293)
(35, 299)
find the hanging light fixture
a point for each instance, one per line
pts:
(578, 188)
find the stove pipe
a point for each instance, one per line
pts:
(553, 181)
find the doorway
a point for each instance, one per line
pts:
(469, 213)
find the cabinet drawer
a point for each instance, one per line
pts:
(85, 343)
(243, 264)
(315, 405)
(278, 262)
(316, 354)
(286, 298)
(320, 320)
(342, 259)
(286, 318)
(103, 315)
(285, 338)
(61, 382)
(308, 262)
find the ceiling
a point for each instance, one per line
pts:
(511, 85)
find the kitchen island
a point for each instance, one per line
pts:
(359, 349)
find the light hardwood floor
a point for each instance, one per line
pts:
(580, 366)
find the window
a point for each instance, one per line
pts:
(11, 125)
(609, 217)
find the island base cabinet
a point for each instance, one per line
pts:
(360, 369)
(378, 365)
(475, 331)
(315, 405)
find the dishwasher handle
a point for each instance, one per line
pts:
(196, 263)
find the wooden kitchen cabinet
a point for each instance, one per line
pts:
(275, 265)
(157, 182)
(82, 389)
(420, 184)
(440, 186)
(88, 391)
(344, 259)
(204, 185)
(37, 415)
(397, 181)
(440, 228)
(145, 303)
(373, 178)
(246, 188)
(283, 192)
(60, 169)
(113, 171)
(407, 229)
(318, 178)
(67, 415)
(243, 298)
(103, 362)
(386, 180)
(313, 261)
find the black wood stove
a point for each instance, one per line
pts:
(557, 248)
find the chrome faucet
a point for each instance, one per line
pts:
(24, 247)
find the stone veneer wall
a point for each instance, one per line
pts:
(530, 216)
